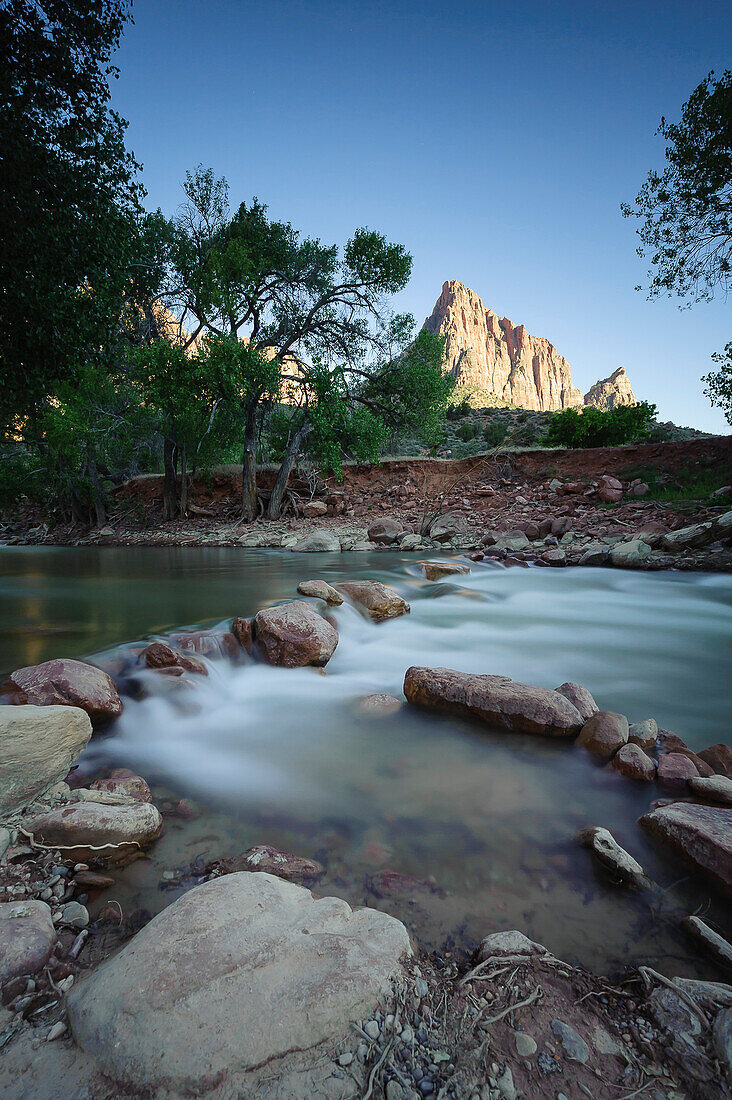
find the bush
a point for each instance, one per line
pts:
(495, 433)
(467, 431)
(591, 427)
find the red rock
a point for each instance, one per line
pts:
(719, 758)
(385, 531)
(91, 880)
(380, 601)
(294, 635)
(604, 733)
(390, 884)
(134, 786)
(161, 656)
(674, 771)
(608, 495)
(581, 698)
(632, 762)
(207, 643)
(271, 861)
(314, 508)
(65, 682)
(242, 631)
(703, 834)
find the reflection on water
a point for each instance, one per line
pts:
(282, 757)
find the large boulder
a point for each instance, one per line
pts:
(446, 527)
(380, 601)
(317, 542)
(632, 762)
(674, 771)
(294, 635)
(495, 700)
(643, 734)
(38, 745)
(719, 759)
(229, 980)
(580, 697)
(67, 683)
(604, 733)
(386, 531)
(95, 830)
(27, 938)
(715, 788)
(629, 555)
(320, 590)
(703, 834)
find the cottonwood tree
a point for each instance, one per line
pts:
(719, 382)
(293, 299)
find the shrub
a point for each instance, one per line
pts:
(467, 431)
(591, 427)
(495, 433)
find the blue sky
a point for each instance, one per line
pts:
(495, 140)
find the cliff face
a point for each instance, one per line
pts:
(504, 361)
(612, 391)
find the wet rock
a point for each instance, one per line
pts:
(573, 1045)
(609, 853)
(93, 830)
(710, 941)
(268, 860)
(214, 644)
(715, 788)
(380, 704)
(74, 915)
(320, 590)
(132, 786)
(632, 762)
(674, 771)
(317, 542)
(719, 758)
(241, 628)
(38, 745)
(386, 531)
(390, 884)
(294, 635)
(604, 733)
(380, 601)
(66, 683)
(27, 938)
(686, 538)
(161, 656)
(92, 880)
(628, 555)
(299, 971)
(314, 508)
(581, 698)
(554, 557)
(496, 701)
(434, 570)
(513, 541)
(595, 555)
(513, 942)
(702, 834)
(644, 734)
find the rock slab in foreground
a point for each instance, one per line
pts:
(495, 700)
(67, 683)
(231, 978)
(27, 938)
(703, 834)
(38, 745)
(293, 635)
(378, 599)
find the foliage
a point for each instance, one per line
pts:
(592, 427)
(494, 433)
(719, 383)
(69, 198)
(686, 210)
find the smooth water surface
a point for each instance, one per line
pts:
(284, 757)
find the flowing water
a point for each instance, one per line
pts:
(284, 757)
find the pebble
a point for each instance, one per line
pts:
(345, 1059)
(573, 1044)
(371, 1028)
(421, 987)
(525, 1045)
(426, 1086)
(74, 915)
(407, 1035)
(56, 1031)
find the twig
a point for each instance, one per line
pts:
(376, 1068)
(535, 996)
(647, 972)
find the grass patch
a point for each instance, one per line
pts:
(684, 485)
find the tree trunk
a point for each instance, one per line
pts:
(249, 506)
(169, 486)
(100, 510)
(183, 483)
(280, 485)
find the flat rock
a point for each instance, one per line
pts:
(321, 590)
(317, 542)
(231, 978)
(580, 697)
(27, 938)
(159, 655)
(632, 762)
(573, 1045)
(380, 601)
(703, 834)
(674, 771)
(434, 570)
(95, 830)
(604, 733)
(294, 635)
(38, 745)
(67, 683)
(511, 942)
(132, 786)
(495, 700)
(715, 788)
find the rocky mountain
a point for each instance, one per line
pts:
(506, 363)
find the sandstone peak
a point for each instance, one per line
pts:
(508, 364)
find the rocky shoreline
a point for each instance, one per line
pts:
(250, 984)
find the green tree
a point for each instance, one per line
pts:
(686, 210)
(69, 196)
(593, 427)
(719, 383)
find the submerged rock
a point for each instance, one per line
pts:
(131, 786)
(94, 830)
(434, 570)
(374, 705)
(38, 745)
(380, 601)
(67, 683)
(213, 644)
(27, 938)
(321, 590)
(609, 853)
(266, 859)
(159, 655)
(703, 834)
(495, 700)
(229, 980)
(604, 733)
(294, 635)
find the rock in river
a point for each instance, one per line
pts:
(229, 980)
(434, 570)
(674, 771)
(632, 762)
(378, 599)
(495, 700)
(321, 590)
(609, 853)
(604, 734)
(294, 635)
(703, 834)
(715, 788)
(96, 830)
(580, 697)
(27, 938)
(38, 745)
(65, 683)
(317, 542)
(266, 859)
(719, 759)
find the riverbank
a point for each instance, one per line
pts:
(549, 507)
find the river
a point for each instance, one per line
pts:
(284, 757)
